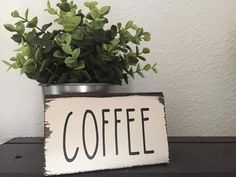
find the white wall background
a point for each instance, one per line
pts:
(193, 42)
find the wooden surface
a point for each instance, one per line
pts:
(189, 157)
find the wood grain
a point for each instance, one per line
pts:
(189, 157)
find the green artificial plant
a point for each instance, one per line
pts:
(82, 50)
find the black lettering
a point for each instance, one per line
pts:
(90, 157)
(143, 130)
(128, 129)
(116, 122)
(104, 121)
(64, 141)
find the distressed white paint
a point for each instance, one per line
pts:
(193, 42)
(154, 128)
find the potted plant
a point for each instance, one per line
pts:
(82, 51)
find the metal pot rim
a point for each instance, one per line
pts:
(75, 84)
(72, 88)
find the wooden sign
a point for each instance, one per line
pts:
(104, 131)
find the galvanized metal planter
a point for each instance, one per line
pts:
(76, 88)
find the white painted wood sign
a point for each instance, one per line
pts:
(104, 131)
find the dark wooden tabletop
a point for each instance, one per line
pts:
(189, 157)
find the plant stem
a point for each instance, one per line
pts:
(50, 71)
(28, 42)
(35, 27)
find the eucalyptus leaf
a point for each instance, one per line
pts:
(37, 54)
(10, 27)
(86, 75)
(15, 13)
(138, 69)
(80, 65)
(63, 78)
(48, 4)
(93, 4)
(46, 26)
(115, 42)
(105, 10)
(29, 66)
(19, 64)
(141, 74)
(146, 50)
(33, 23)
(142, 58)
(17, 38)
(13, 59)
(137, 51)
(129, 24)
(133, 60)
(80, 49)
(66, 48)
(26, 14)
(95, 13)
(64, 6)
(134, 27)
(87, 4)
(147, 36)
(66, 38)
(131, 72)
(44, 66)
(70, 22)
(20, 58)
(119, 25)
(77, 34)
(26, 51)
(147, 67)
(20, 28)
(154, 70)
(76, 53)
(6, 62)
(51, 80)
(15, 66)
(139, 32)
(59, 54)
(52, 11)
(70, 62)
